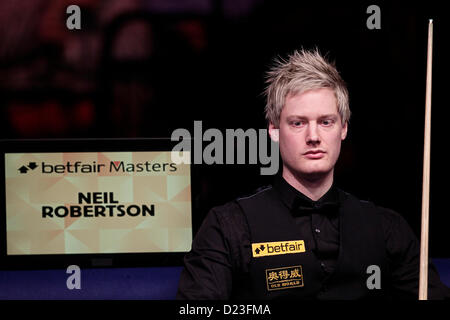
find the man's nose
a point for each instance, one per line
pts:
(313, 136)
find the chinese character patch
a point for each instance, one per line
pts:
(284, 278)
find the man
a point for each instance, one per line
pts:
(303, 237)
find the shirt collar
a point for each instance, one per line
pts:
(300, 204)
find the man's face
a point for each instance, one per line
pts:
(310, 133)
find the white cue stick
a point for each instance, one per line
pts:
(423, 275)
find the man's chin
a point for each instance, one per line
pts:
(313, 175)
(309, 173)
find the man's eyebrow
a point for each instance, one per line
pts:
(296, 116)
(324, 116)
(331, 115)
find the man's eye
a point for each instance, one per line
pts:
(298, 123)
(327, 122)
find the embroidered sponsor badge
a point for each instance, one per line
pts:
(284, 278)
(263, 249)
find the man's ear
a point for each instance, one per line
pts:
(274, 133)
(344, 131)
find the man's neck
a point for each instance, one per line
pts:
(312, 187)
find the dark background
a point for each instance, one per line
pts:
(144, 68)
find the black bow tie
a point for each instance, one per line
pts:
(321, 207)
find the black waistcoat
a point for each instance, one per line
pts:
(296, 274)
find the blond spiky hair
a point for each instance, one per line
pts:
(303, 70)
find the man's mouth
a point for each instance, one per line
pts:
(314, 154)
